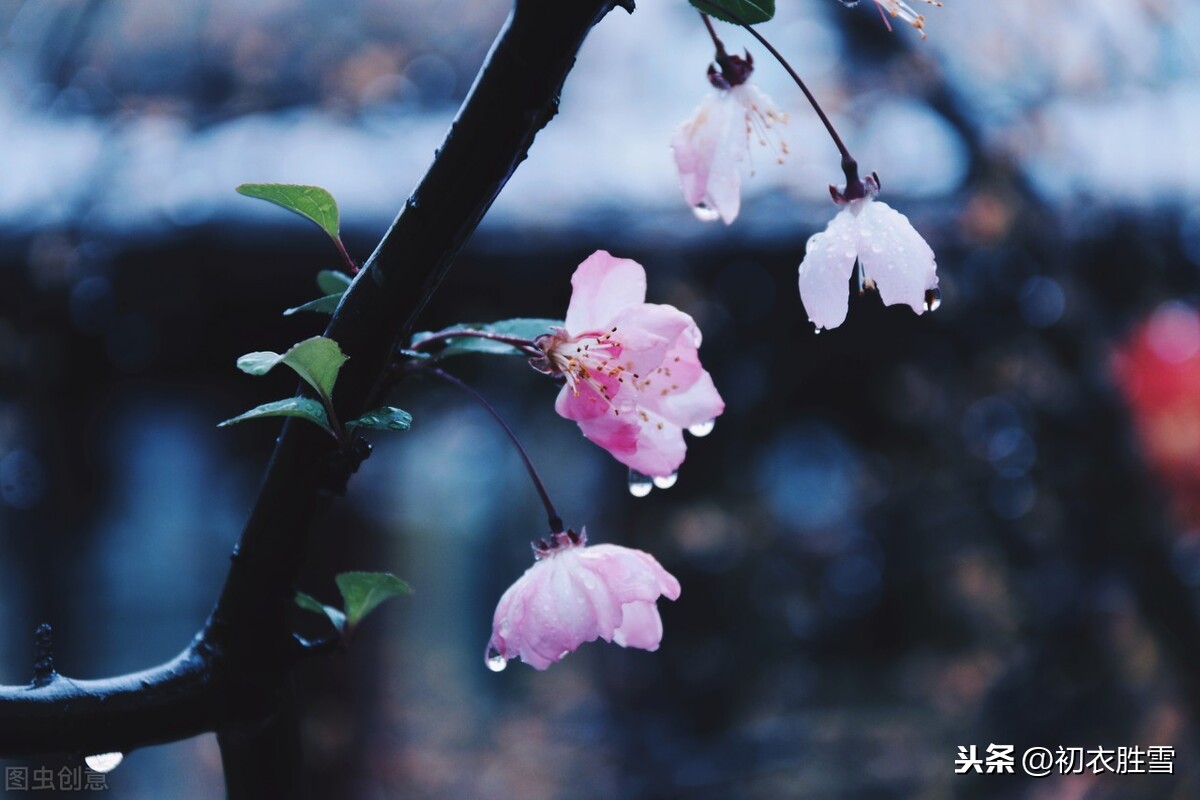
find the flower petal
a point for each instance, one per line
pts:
(707, 149)
(601, 286)
(825, 271)
(895, 256)
(696, 405)
(630, 574)
(660, 446)
(646, 332)
(616, 431)
(641, 626)
(583, 401)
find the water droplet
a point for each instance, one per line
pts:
(705, 213)
(495, 661)
(639, 485)
(849, 3)
(104, 762)
(702, 429)
(665, 481)
(933, 299)
(816, 331)
(876, 247)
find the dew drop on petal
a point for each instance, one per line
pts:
(665, 481)
(933, 299)
(495, 661)
(104, 762)
(701, 429)
(705, 213)
(639, 485)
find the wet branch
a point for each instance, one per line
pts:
(232, 679)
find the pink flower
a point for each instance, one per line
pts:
(711, 145)
(632, 369)
(893, 258)
(574, 594)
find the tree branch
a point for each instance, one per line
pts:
(172, 701)
(231, 679)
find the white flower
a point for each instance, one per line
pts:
(710, 146)
(893, 258)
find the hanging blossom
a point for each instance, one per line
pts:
(633, 379)
(711, 145)
(574, 594)
(892, 258)
(905, 12)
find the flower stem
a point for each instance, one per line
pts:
(716, 39)
(552, 518)
(849, 165)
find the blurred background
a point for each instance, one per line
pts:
(906, 535)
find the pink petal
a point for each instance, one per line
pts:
(683, 394)
(646, 332)
(616, 432)
(660, 446)
(825, 271)
(895, 256)
(583, 401)
(641, 626)
(630, 574)
(601, 286)
(698, 404)
(707, 151)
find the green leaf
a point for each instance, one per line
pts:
(750, 12)
(303, 407)
(330, 281)
(316, 360)
(334, 284)
(521, 328)
(364, 591)
(322, 305)
(310, 603)
(311, 202)
(387, 418)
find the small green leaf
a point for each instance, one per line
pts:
(387, 418)
(364, 591)
(750, 12)
(322, 305)
(311, 202)
(316, 360)
(521, 328)
(310, 603)
(330, 281)
(303, 407)
(334, 284)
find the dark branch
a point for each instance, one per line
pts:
(231, 679)
(172, 701)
